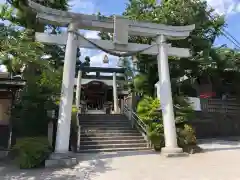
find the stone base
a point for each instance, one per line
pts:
(3, 154)
(173, 152)
(61, 160)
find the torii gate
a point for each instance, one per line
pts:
(122, 28)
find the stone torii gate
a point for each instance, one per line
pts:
(121, 28)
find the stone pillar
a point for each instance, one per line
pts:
(158, 90)
(115, 97)
(170, 135)
(78, 89)
(50, 133)
(65, 107)
(122, 106)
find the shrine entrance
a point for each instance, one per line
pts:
(95, 95)
(96, 91)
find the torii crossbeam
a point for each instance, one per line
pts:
(122, 28)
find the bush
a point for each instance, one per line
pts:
(186, 136)
(74, 130)
(31, 152)
(147, 110)
(156, 135)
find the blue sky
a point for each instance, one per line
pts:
(230, 8)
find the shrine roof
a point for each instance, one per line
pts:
(102, 69)
(101, 77)
(6, 82)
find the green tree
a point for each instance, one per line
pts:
(19, 13)
(176, 12)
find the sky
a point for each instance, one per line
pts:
(229, 8)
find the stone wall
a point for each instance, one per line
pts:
(213, 125)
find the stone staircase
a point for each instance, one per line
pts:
(109, 133)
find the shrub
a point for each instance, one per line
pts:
(74, 120)
(186, 136)
(31, 152)
(147, 110)
(74, 129)
(156, 135)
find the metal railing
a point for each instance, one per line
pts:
(137, 122)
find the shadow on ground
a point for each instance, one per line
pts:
(89, 166)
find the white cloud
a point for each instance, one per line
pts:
(89, 52)
(3, 1)
(83, 6)
(225, 7)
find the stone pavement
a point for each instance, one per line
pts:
(221, 161)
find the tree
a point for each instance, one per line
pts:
(17, 50)
(176, 12)
(19, 13)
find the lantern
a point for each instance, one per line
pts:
(134, 59)
(120, 62)
(105, 59)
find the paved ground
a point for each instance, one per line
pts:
(220, 162)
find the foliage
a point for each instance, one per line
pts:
(156, 135)
(183, 109)
(175, 12)
(148, 111)
(75, 130)
(31, 152)
(74, 120)
(186, 136)
(18, 12)
(17, 50)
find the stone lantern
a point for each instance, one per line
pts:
(134, 59)
(105, 59)
(120, 62)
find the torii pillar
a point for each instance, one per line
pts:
(171, 147)
(65, 107)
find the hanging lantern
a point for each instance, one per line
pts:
(134, 59)
(120, 62)
(105, 59)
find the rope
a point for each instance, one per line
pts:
(112, 52)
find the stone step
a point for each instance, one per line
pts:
(111, 142)
(107, 146)
(103, 138)
(114, 149)
(113, 131)
(110, 134)
(120, 122)
(102, 117)
(105, 127)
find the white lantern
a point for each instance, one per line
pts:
(105, 59)
(134, 59)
